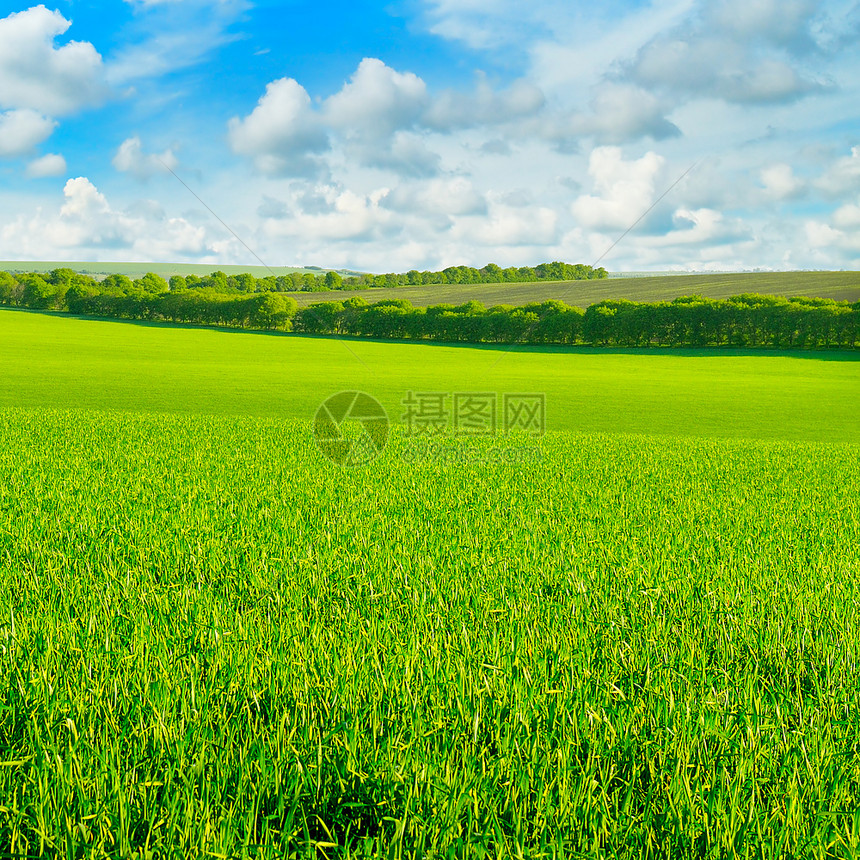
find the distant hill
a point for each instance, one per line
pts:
(634, 286)
(166, 270)
(840, 286)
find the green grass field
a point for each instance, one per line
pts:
(59, 361)
(840, 286)
(214, 642)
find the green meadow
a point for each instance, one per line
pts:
(59, 361)
(639, 640)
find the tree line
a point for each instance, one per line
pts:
(49, 290)
(489, 274)
(692, 321)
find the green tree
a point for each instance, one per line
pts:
(79, 295)
(319, 318)
(62, 276)
(152, 284)
(271, 311)
(218, 281)
(37, 292)
(10, 289)
(246, 283)
(333, 281)
(116, 285)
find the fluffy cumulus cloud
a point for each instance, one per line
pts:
(485, 106)
(837, 235)
(619, 112)
(283, 133)
(842, 177)
(372, 117)
(339, 215)
(380, 118)
(22, 130)
(376, 101)
(86, 226)
(36, 74)
(509, 226)
(700, 228)
(623, 189)
(446, 198)
(828, 242)
(131, 158)
(419, 222)
(847, 217)
(40, 80)
(48, 165)
(780, 183)
(742, 51)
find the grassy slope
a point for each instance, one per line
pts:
(216, 638)
(58, 361)
(843, 286)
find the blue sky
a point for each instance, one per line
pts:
(428, 133)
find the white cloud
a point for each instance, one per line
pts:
(780, 183)
(130, 158)
(347, 217)
(376, 101)
(37, 75)
(701, 228)
(46, 166)
(625, 188)
(21, 130)
(484, 107)
(833, 245)
(271, 207)
(590, 41)
(786, 23)
(381, 118)
(847, 217)
(87, 225)
(282, 133)
(406, 153)
(742, 51)
(445, 197)
(481, 24)
(842, 177)
(622, 112)
(771, 81)
(509, 226)
(374, 116)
